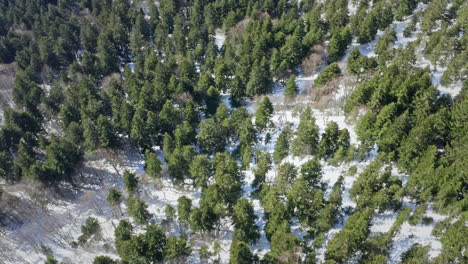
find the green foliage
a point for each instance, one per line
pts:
(184, 208)
(153, 164)
(338, 44)
(263, 114)
(329, 142)
(89, 229)
(350, 239)
(50, 260)
(416, 254)
(138, 209)
(454, 241)
(331, 71)
(358, 63)
(170, 212)
(240, 253)
(311, 171)
(281, 147)
(228, 178)
(291, 87)
(307, 135)
(62, 157)
(244, 221)
(201, 170)
(176, 249)
(104, 260)
(130, 181)
(259, 80)
(282, 242)
(204, 252)
(263, 165)
(211, 136)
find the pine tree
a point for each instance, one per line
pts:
(291, 87)
(328, 143)
(152, 164)
(244, 221)
(201, 170)
(104, 260)
(114, 197)
(281, 147)
(263, 114)
(130, 181)
(107, 53)
(154, 241)
(240, 253)
(107, 137)
(177, 250)
(184, 208)
(307, 135)
(260, 80)
(210, 136)
(327, 74)
(138, 209)
(263, 164)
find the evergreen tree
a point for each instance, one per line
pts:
(241, 254)
(130, 181)
(263, 113)
(260, 80)
(210, 136)
(244, 221)
(263, 165)
(311, 171)
(201, 171)
(184, 208)
(177, 250)
(153, 164)
(114, 197)
(154, 241)
(327, 74)
(328, 143)
(104, 260)
(138, 209)
(281, 147)
(307, 135)
(291, 87)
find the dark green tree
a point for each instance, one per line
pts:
(153, 164)
(184, 208)
(291, 87)
(244, 221)
(281, 147)
(263, 113)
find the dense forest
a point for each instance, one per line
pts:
(191, 88)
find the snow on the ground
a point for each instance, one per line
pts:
(65, 216)
(220, 37)
(420, 233)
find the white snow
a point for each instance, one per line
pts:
(220, 38)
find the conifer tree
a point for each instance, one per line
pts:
(291, 87)
(201, 170)
(152, 164)
(130, 181)
(328, 143)
(184, 208)
(244, 221)
(307, 135)
(260, 80)
(138, 209)
(281, 147)
(263, 113)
